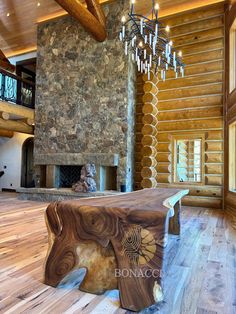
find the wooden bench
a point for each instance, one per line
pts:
(121, 240)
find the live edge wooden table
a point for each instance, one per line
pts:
(121, 241)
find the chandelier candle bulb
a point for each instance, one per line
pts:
(156, 10)
(126, 48)
(149, 75)
(150, 60)
(123, 31)
(156, 29)
(132, 43)
(174, 58)
(132, 6)
(167, 50)
(154, 48)
(145, 54)
(141, 26)
(150, 39)
(146, 39)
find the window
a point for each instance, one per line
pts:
(232, 60)
(188, 158)
(232, 157)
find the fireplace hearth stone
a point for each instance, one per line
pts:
(51, 195)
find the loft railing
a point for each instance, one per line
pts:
(15, 89)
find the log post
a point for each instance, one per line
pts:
(149, 132)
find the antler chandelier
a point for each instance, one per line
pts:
(148, 42)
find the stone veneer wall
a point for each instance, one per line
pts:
(85, 92)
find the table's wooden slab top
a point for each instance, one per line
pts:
(161, 199)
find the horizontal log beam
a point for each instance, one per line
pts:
(28, 121)
(17, 110)
(16, 126)
(206, 202)
(5, 133)
(93, 22)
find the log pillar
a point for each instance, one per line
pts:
(149, 132)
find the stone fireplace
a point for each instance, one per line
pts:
(84, 102)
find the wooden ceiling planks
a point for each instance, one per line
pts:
(18, 30)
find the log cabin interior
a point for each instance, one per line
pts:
(118, 156)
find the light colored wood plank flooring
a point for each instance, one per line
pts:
(202, 277)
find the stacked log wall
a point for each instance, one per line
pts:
(193, 104)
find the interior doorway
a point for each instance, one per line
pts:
(27, 171)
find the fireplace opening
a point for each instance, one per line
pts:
(65, 176)
(68, 175)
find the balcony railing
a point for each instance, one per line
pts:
(15, 89)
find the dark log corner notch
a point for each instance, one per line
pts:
(5, 63)
(92, 18)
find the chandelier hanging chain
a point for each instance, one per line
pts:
(148, 42)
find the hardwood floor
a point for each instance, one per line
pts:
(202, 277)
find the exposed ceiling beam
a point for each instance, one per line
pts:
(93, 21)
(174, 7)
(95, 8)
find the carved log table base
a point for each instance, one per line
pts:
(121, 241)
